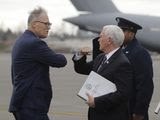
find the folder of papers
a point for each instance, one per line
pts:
(96, 85)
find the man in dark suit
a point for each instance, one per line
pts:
(117, 69)
(142, 67)
(31, 58)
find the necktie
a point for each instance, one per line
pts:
(102, 63)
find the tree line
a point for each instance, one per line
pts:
(8, 34)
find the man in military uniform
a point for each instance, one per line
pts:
(142, 67)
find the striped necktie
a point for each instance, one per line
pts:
(102, 63)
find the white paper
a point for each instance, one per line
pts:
(96, 85)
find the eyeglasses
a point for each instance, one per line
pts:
(45, 23)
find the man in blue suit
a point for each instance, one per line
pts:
(31, 58)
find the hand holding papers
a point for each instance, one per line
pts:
(96, 85)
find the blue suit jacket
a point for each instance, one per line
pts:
(142, 78)
(31, 58)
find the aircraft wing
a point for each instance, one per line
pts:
(95, 6)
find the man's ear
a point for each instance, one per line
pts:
(109, 40)
(33, 24)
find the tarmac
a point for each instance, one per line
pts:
(65, 105)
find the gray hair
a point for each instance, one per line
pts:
(35, 14)
(115, 33)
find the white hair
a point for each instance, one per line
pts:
(115, 33)
(35, 14)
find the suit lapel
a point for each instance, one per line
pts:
(110, 60)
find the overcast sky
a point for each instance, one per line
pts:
(14, 13)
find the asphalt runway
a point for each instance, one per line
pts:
(66, 105)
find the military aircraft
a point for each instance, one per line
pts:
(97, 13)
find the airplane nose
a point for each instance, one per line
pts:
(76, 21)
(71, 20)
(83, 22)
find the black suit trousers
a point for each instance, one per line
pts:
(29, 114)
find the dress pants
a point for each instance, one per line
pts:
(29, 114)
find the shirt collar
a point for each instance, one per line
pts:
(111, 53)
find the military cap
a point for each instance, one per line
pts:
(127, 24)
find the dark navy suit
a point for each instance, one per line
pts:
(143, 78)
(31, 58)
(112, 106)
